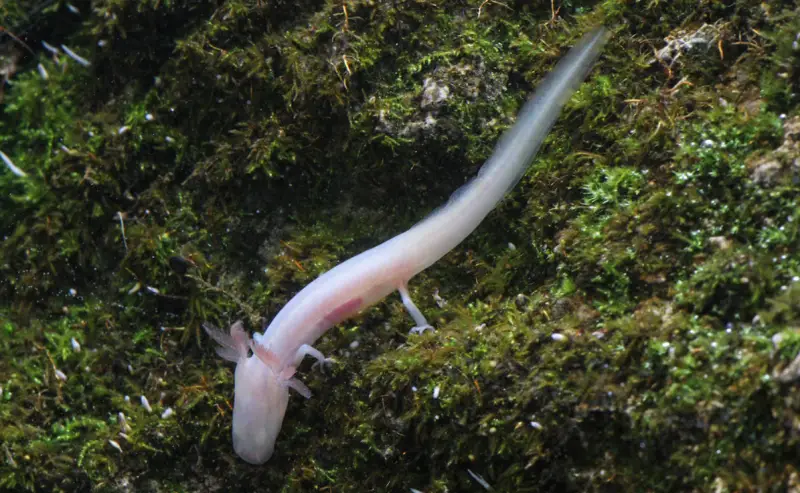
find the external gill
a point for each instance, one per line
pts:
(233, 346)
(236, 346)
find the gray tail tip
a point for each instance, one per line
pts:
(599, 34)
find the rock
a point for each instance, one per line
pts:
(781, 164)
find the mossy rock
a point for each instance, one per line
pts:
(627, 320)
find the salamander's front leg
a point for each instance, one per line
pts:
(306, 350)
(419, 318)
(285, 376)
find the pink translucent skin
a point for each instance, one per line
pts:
(258, 409)
(263, 379)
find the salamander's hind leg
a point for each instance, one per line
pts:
(419, 318)
(306, 350)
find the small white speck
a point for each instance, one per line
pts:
(52, 49)
(708, 143)
(127, 399)
(169, 139)
(598, 335)
(123, 129)
(436, 392)
(76, 346)
(116, 445)
(123, 423)
(75, 56)
(558, 337)
(665, 344)
(130, 369)
(782, 116)
(73, 292)
(60, 375)
(479, 480)
(167, 413)
(440, 302)
(102, 43)
(354, 344)
(512, 246)
(146, 404)
(413, 388)
(714, 344)
(73, 9)
(42, 72)
(153, 290)
(149, 117)
(536, 425)
(11, 166)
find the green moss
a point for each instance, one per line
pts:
(625, 321)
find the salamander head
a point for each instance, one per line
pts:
(261, 393)
(258, 408)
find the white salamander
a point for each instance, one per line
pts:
(263, 379)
